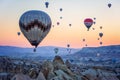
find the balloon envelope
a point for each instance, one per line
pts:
(101, 43)
(88, 23)
(98, 39)
(70, 24)
(58, 23)
(100, 27)
(101, 34)
(93, 28)
(94, 22)
(18, 33)
(61, 9)
(94, 18)
(86, 45)
(83, 39)
(68, 45)
(46, 4)
(109, 5)
(35, 25)
(61, 17)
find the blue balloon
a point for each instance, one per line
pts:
(46, 4)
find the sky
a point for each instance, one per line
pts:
(74, 12)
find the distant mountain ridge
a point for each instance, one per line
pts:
(48, 51)
(45, 51)
(104, 51)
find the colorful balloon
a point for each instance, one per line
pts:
(35, 25)
(88, 23)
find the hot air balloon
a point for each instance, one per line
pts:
(98, 54)
(61, 9)
(86, 45)
(94, 22)
(56, 50)
(83, 40)
(61, 17)
(46, 4)
(18, 33)
(93, 28)
(94, 18)
(98, 38)
(100, 27)
(109, 5)
(100, 34)
(101, 43)
(58, 23)
(34, 49)
(70, 25)
(35, 25)
(88, 23)
(68, 45)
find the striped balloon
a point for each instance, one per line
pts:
(35, 25)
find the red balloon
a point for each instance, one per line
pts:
(88, 23)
